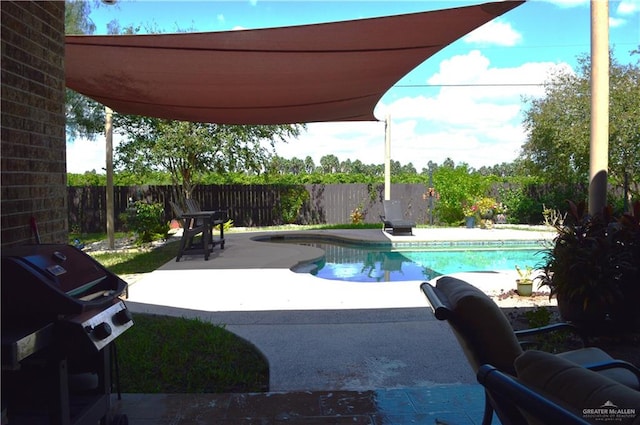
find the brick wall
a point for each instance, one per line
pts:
(33, 149)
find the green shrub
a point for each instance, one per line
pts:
(456, 187)
(291, 201)
(540, 317)
(146, 221)
(521, 207)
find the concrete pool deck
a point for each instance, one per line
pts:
(235, 279)
(319, 334)
(338, 352)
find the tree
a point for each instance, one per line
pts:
(346, 166)
(558, 126)
(296, 166)
(330, 164)
(187, 150)
(84, 116)
(76, 17)
(624, 128)
(309, 165)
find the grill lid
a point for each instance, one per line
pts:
(55, 279)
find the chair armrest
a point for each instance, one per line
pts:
(438, 306)
(508, 392)
(614, 364)
(193, 221)
(221, 214)
(213, 216)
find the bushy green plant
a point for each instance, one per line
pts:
(487, 206)
(546, 341)
(594, 265)
(538, 317)
(521, 206)
(456, 186)
(146, 221)
(291, 201)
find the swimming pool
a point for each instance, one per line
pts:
(384, 264)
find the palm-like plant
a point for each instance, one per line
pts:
(593, 268)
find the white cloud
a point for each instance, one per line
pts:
(468, 122)
(461, 69)
(472, 75)
(494, 32)
(345, 140)
(616, 22)
(568, 3)
(628, 7)
(470, 146)
(625, 7)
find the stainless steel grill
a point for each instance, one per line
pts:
(61, 312)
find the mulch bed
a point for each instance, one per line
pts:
(622, 346)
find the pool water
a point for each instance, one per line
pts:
(361, 264)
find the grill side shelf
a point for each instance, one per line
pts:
(18, 344)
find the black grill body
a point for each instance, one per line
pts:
(61, 312)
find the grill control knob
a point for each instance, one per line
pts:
(122, 317)
(101, 331)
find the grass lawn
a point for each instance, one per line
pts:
(144, 261)
(161, 354)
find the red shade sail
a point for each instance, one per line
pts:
(310, 73)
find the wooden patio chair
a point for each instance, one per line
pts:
(192, 226)
(214, 217)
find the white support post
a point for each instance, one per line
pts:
(108, 130)
(599, 146)
(387, 159)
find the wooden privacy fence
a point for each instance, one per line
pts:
(251, 205)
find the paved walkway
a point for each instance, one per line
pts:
(321, 335)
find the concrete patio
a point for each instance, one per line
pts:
(324, 336)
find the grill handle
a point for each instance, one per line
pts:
(34, 229)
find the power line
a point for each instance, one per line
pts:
(471, 85)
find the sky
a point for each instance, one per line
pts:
(465, 103)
